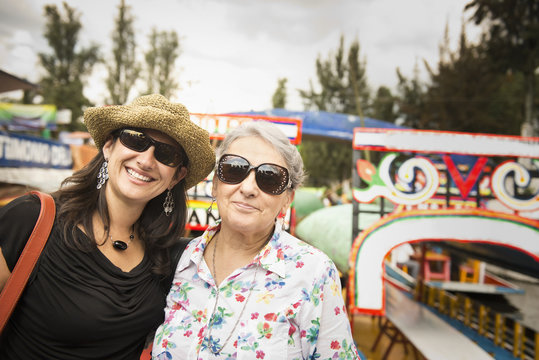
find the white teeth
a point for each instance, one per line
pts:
(138, 176)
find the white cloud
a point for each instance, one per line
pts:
(234, 51)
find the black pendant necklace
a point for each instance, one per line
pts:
(122, 245)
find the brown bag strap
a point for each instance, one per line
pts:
(21, 272)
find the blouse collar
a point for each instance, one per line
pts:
(271, 257)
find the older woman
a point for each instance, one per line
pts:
(246, 289)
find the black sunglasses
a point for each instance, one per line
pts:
(270, 178)
(138, 141)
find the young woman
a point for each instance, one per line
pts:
(99, 287)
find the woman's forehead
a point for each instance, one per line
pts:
(256, 150)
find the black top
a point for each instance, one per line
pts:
(76, 305)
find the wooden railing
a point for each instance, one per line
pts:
(505, 332)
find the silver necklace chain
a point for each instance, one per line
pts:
(217, 300)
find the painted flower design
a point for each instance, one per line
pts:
(365, 170)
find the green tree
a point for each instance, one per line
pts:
(124, 70)
(342, 81)
(383, 105)
(513, 41)
(66, 67)
(410, 100)
(326, 162)
(279, 96)
(160, 62)
(466, 93)
(343, 88)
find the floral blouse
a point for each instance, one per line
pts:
(289, 300)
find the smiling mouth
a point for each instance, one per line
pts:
(138, 176)
(245, 206)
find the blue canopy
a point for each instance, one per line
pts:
(326, 124)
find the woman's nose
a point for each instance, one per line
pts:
(146, 158)
(249, 185)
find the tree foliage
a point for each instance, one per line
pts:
(410, 100)
(279, 96)
(68, 65)
(326, 162)
(513, 40)
(124, 70)
(342, 88)
(383, 105)
(342, 82)
(465, 92)
(160, 62)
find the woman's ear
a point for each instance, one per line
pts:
(107, 147)
(180, 174)
(214, 186)
(288, 200)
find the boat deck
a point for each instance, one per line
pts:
(411, 323)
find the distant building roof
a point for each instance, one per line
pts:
(10, 82)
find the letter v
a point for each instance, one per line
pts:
(471, 179)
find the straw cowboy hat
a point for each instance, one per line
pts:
(156, 112)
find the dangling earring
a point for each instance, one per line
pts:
(168, 205)
(281, 223)
(103, 175)
(210, 208)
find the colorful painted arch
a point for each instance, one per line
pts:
(366, 290)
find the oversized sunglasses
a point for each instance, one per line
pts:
(270, 178)
(138, 141)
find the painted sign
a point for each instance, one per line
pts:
(427, 141)
(444, 186)
(23, 151)
(219, 125)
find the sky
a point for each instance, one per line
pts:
(234, 51)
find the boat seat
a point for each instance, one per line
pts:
(437, 267)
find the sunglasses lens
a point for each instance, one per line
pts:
(138, 141)
(232, 169)
(134, 140)
(272, 179)
(167, 154)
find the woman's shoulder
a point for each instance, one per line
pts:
(194, 243)
(295, 247)
(191, 246)
(17, 220)
(25, 207)
(303, 259)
